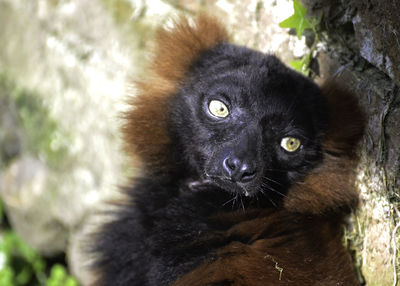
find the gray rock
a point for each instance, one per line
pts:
(377, 29)
(77, 61)
(25, 192)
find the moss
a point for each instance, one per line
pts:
(41, 135)
(353, 240)
(121, 10)
(10, 145)
(372, 237)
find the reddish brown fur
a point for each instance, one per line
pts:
(328, 188)
(176, 49)
(293, 257)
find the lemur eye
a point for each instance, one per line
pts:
(290, 144)
(218, 108)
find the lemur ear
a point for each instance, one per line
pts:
(175, 50)
(330, 187)
(346, 120)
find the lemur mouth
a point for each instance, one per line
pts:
(218, 183)
(201, 185)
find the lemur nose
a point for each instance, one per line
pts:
(239, 170)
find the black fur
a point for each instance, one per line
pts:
(171, 223)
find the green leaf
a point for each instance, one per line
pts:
(25, 250)
(71, 282)
(1, 211)
(60, 277)
(291, 22)
(302, 65)
(299, 9)
(6, 276)
(24, 276)
(39, 265)
(297, 65)
(298, 20)
(58, 272)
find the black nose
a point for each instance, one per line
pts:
(239, 170)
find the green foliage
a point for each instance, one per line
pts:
(300, 21)
(42, 135)
(302, 64)
(121, 10)
(60, 277)
(1, 212)
(20, 265)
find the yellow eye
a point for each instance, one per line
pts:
(290, 144)
(218, 108)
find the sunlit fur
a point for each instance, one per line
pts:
(218, 200)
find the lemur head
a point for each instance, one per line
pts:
(246, 123)
(217, 114)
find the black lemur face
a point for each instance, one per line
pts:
(246, 123)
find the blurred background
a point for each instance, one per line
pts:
(66, 70)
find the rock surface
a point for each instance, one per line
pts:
(72, 55)
(26, 194)
(377, 30)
